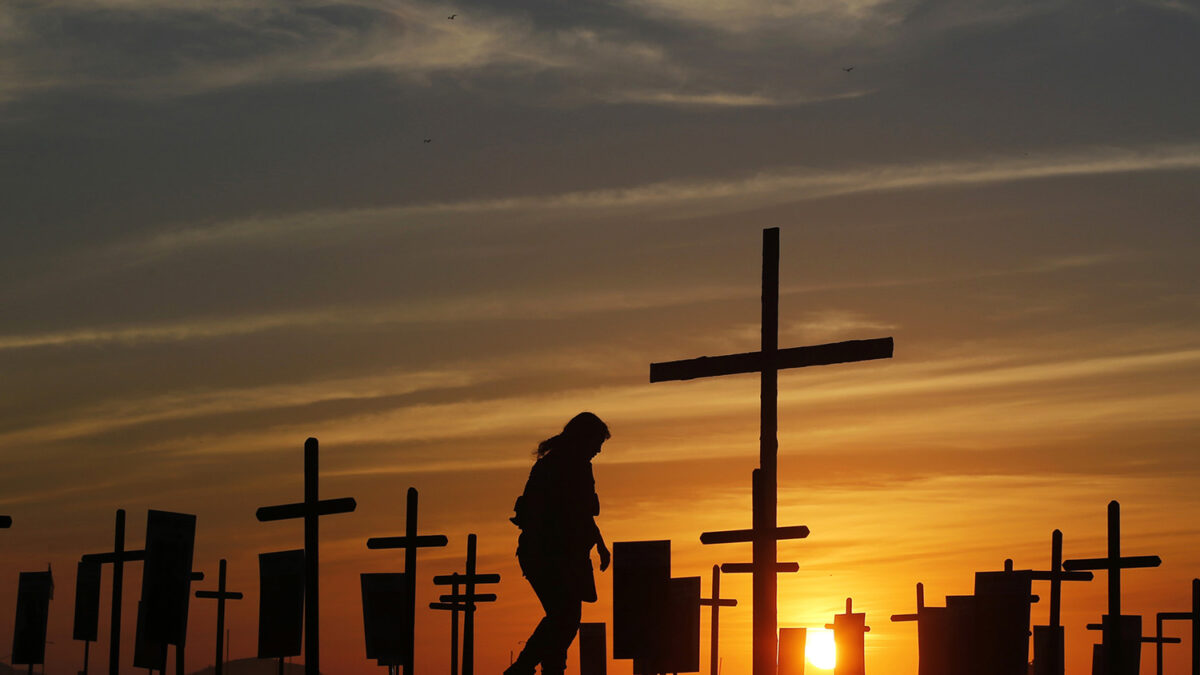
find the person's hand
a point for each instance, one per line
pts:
(605, 556)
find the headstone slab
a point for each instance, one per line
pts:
(1130, 632)
(385, 619)
(87, 601)
(933, 641)
(593, 649)
(34, 590)
(280, 603)
(641, 581)
(962, 636)
(1043, 657)
(166, 575)
(683, 626)
(792, 643)
(148, 653)
(1002, 611)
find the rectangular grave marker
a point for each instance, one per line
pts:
(280, 604)
(792, 643)
(641, 578)
(593, 649)
(34, 590)
(849, 634)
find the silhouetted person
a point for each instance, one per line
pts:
(556, 514)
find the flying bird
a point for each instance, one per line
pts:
(451, 17)
(848, 69)
(428, 140)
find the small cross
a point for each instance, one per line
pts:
(118, 557)
(410, 542)
(849, 630)
(716, 602)
(1113, 563)
(311, 509)
(220, 595)
(466, 601)
(454, 608)
(1056, 575)
(1194, 617)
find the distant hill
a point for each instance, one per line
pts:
(247, 667)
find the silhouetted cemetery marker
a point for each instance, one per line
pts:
(280, 604)
(1158, 640)
(767, 362)
(117, 557)
(220, 595)
(593, 649)
(792, 643)
(386, 622)
(1002, 610)
(86, 626)
(311, 509)
(1048, 640)
(656, 619)
(716, 602)
(1130, 631)
(849, 633)
(34, 591)
(932, 636)
(1194, 617)
(468, 599)
(410, 542)
(1115, 640)
(454, 608)
(147, 653)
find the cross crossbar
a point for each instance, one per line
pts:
(1125, 563)
(423, 541)
(217, 595)
(456, 578)
(475, 597)
(742, 536)
(1046, 575)
(1176, 616)
(451, 606)
(325, 507)
(111, 557)
(748, 568)
(752, 362)
(905, 617)
(709, 602)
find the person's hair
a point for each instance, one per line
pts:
(581, 426)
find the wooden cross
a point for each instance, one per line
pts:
(467, 600)
(454, 608)
(920, 606)
(311, 509)
(118, 557)
(220, 595)
(716, 602)
(849, 631)
(1194, 617)
(1113, 563)
(1056, 575)
(410, 542)
(767, 362)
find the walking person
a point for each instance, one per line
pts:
(557, 516)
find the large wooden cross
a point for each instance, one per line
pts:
(767, 362)
(716, 602)
(311, 509)
(1194, 617)
(1113, 563)
(410, 542)
(118, 557)
(1055, 575)
(220, 595)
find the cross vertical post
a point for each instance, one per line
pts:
(1194, 617)
(767, 362)
(311, 509)
(716, 602)
(410, 542)
(220, 595)
(117, 557)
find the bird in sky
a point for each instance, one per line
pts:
(451, 17)
(428, 140)
(848, 68)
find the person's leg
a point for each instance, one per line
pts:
(563, 619)
(548, 584)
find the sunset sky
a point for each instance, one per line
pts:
(224, 232)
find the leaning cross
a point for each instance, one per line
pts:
(1055, 575)
(410, 542)
(1113, 563)
(220, 595)
(767, 362)
(466, 600)
(311, 509)
(1194, 617)
(716, 602)
(118, 557)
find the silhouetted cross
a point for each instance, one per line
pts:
(716, 602)
(1113, 563)
(1056, 575)
(220, 595)
(410, 542)
(767, 362)
(1194, 617)
(118, 557)
(466, 600)
(454, 608)
(849, 630)
(311, 509)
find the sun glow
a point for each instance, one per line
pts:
(820, 649)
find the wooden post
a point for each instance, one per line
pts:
(220, 595)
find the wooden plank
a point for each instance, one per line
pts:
(451, 579)
(742, 536)
(1127, 562)
(325, 507)
(748, 568)
(832, 353)
(423, 541)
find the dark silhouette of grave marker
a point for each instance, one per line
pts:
(716, 602)
(792, 645)
(656, 619)
(220, 595)
(180, 658)
(932, 636)
(311, 510)
(593, 649)
(86, 626)
(386, 622)
(1114, 634)
(410, 542)
(468, 600)
(1048, 640)
(117, 557)
(849, 635)
(166, 588)
(1003, 603)
(1194, 617)
(34, 592)
(454, 608)
(1158, 640)
(280, 604)
(1130, 632)
(767, 362)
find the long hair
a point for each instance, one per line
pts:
(581, 426)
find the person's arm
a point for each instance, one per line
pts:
(601, 549)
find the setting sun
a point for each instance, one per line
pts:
(820, 650)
